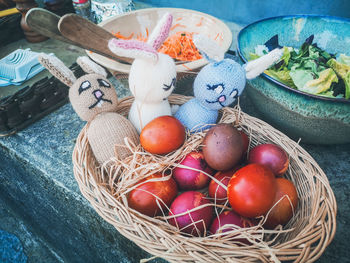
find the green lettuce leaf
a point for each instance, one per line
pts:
(313, 52)
(340, 68)
(347, 85)
(343, 71)
(285, 57)
(282, 76)
(300, 76)
(328, 93)
(322, 84)
(253, 56)
(344, 59)
(311, 65)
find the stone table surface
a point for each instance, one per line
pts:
(36, 180)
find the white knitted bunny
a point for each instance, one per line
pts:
(152, 75)
(95, 100)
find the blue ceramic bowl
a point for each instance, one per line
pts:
(314, 119)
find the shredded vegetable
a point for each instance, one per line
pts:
(179, 46)
(120, 36)
(200, 23)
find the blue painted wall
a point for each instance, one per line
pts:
(248, 11)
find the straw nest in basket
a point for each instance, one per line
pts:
(303, 239)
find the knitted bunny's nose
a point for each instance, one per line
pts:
(222, 98)
(98, 94)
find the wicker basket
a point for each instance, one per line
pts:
(304, 238)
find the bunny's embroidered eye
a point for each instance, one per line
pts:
(234, 94)
(168, 87)
(218, 88)
(84, 86)
(103, 83)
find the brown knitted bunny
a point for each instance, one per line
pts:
(95, 100)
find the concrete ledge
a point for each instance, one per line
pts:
(33, 246)
(11, 249)
(37, 181)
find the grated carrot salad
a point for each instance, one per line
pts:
(179, 46)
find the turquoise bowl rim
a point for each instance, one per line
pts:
(337, 100)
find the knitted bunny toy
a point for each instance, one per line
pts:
(95, 100)
(152, 75)
(218, 84)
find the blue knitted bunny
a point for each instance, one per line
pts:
(218, 84)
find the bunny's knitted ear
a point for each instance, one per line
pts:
(208, 48)
(91, 67)
(133, 49)
(257, 66)
(161, 31)
(57, 68)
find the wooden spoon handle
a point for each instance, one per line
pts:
(89, 35)
(45, 23)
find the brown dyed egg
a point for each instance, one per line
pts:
(223, 147)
